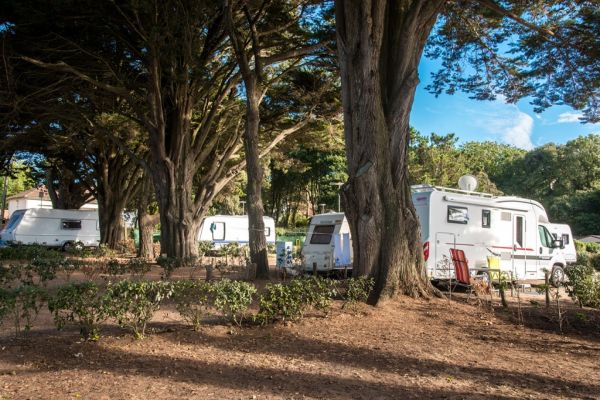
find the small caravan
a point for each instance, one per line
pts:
(224, 229)
(53, 228)
(328, 245)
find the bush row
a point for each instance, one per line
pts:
(133, 303)
(42, 270)
(587, 247)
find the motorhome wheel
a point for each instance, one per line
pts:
(557, 277)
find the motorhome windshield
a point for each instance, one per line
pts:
(322, 234)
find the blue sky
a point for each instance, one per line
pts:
(514, 124)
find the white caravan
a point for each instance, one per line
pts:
(224, 229)
(563, 232)
(328, 244)
(53, 228)
(509, 230)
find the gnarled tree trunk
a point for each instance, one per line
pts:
(380, 45)
(110, 209)
(256, 224)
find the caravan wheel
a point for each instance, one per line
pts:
(72, 246)
(557, 277)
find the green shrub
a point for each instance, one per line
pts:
(14, 273)
(592, 247)
(23, 304)
(204, 247)
(68, 267)
(29, 252)
(138, 267)
(315, 291)
(580, 247)
(113, 268)
(594, 261)
(358, 290)
(232, 298)
(280, 301)
(133, 304)
(583, 286)
(45, 268)
(169, 265)
(191, 300)
(81, 304)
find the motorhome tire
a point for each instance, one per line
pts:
(557, 277)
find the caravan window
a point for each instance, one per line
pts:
(322, 234)
(458, 215)
(486, 218)
(267, 231)
(71, 223)
(218, 230)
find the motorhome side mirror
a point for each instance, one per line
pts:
(557, 243)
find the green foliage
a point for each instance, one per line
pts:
(280, 301)
(113, 267)
(204, 247)
(138, 267)
(29, 252)
(191, 300)
(289, 302)
(232, 298)
(23, 304)
(133, 304)
(583, 285)
(358, 289)
(45, 268)
(82, 304)
(170, 264)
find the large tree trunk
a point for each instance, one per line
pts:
(179, 218)
(380, 45)
(256, 225)
(109, 214)
(146, 221)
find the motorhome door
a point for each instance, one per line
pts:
(520, 263)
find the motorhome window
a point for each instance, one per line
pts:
(565, 239)
(322, 234)
(519, 231)
(458, 215)
(71, 224)
(544, 239)
(486, 216)
(218, 230)
(14, 219)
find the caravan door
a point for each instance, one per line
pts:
(443, 267)
(520, 263)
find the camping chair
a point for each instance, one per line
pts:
(461, 271)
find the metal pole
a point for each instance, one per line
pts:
(339, 186)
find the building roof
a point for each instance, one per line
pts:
(31, 194)
(590, 239)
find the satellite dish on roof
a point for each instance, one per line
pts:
(467, 182)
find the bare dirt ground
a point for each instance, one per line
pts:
(402, 349)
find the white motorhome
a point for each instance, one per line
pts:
(223, 229)
(511, 230)
(563, 232)
(328, 244)
(53, 228)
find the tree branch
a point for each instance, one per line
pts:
(491, 5)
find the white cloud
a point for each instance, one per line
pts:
(567, 117)
(519, 134)
(506, 122)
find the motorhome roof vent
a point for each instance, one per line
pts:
(468, 183)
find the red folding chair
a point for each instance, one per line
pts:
(461, 267)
